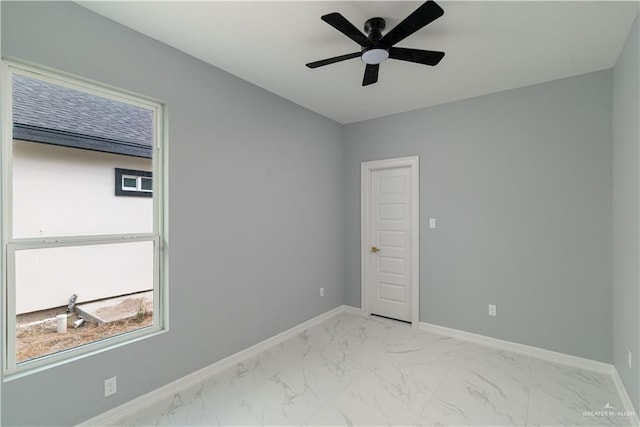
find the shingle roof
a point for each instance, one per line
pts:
(48, 113)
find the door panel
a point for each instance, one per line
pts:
(390, 232)
(392, 292)
(392, 239)
(388, 265)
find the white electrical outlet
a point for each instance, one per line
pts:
(110, 386)
(629, 358)
(322, 291)
(492, 310)
(432, 223)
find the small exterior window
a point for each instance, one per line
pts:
(133, 183)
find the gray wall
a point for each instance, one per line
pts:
(520, 183)
(256, 211)
(626, 214)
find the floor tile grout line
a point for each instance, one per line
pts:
(366, 364)
(366, 369)
(444, 377)
(344, 388)
(529, 387)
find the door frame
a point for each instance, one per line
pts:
(366, 169)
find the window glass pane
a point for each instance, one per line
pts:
(66, 145)
(129, 183)
(113, 285)
(146, 184)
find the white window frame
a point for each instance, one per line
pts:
(135, 178)
(138, 186)
(122, 190)
(10, 245)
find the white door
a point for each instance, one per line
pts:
(392, 236)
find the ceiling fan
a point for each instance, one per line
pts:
(376, 48)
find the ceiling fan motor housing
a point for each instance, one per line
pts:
(374, 54)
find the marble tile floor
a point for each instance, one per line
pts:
(350, 370)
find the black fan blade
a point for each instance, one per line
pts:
(422, 16)
(341, 24)
(370, 74)
(427, 57)
(333, 60)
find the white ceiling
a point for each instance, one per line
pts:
(490, 46)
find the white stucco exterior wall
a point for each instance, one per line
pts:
(61, 191)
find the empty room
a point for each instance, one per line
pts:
(313, 213)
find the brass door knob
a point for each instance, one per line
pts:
(375, 250)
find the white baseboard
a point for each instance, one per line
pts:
(351, 309)
(540, 353)
(116, 415)
(624, 396)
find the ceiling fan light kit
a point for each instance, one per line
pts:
(376, 48)
(374, 56)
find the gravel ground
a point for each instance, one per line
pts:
(38, 337)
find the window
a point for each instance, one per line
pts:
(78, 257)
(133, 183)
